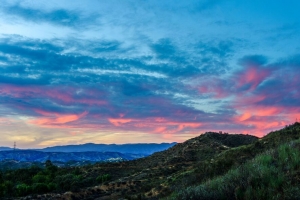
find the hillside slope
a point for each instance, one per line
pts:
(196, 149)
(274, 174)
(189, 163)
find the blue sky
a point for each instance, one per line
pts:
(146, 71)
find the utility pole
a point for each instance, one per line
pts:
(15, 145)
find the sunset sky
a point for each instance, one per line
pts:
(74, 72)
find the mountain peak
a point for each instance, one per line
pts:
(230, 140)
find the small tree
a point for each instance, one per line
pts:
(50, 167)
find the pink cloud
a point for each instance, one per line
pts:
(55, 119)
(154, 125)
(119, 121)
(254, 112)
(264, 119)
(160, 129)
(159, 119)
(252, 76)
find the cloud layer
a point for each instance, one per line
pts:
(152, 87)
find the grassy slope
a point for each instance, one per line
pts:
(267, 169)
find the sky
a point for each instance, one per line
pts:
(74, 72)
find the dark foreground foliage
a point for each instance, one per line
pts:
(38, 180)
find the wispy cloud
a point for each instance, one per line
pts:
(42, 77)
(60, 17)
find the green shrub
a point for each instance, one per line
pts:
(103, 178)
(39, 188)
(23, 189)
(51, 186)
(39, 178)
(65, 182)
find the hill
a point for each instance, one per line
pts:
(5, 149)
(198, 148)
(187, 168)
(273, 174)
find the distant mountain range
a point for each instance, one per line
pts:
(81, 153)
(139, 148)
(5, 148)
(38, 156)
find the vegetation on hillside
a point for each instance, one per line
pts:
(223, 161)
(37, 180)
(272, 175)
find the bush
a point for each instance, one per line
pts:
(23, 189)
(65, 182)
(39, 188)
(39, 178)
(103, 178)
(51, 186)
